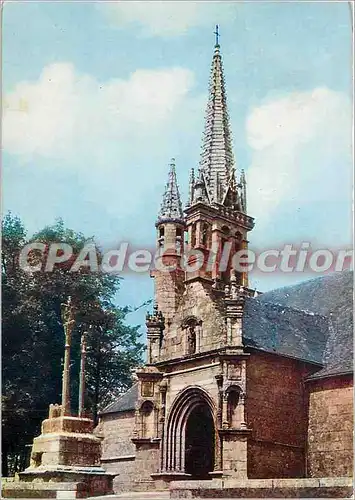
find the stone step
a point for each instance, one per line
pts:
(44, 490)
(331, 487)
(68, 490)
(136, 495)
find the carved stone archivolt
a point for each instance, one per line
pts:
(174, 452)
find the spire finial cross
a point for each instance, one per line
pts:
(217, 35)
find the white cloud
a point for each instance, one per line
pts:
(65, 113)
(166, 18)
(301, 150)
(107, 134)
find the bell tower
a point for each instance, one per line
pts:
(190, 413)
(170, 226)
(216, 218)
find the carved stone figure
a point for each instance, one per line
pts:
(191, 339)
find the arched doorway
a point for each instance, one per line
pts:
(190, 444)
(199, 442)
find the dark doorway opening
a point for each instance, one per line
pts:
(199, 443)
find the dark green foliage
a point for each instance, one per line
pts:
(33, 337)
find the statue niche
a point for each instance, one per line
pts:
(191, 339)
(206, 235)
(233, 396)
(191, 327)
(147, 420)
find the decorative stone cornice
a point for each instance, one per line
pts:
(235, 432)
(145, 441)
(146, 375)
(219, 211)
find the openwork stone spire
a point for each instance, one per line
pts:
(171, 207)
(217, 161)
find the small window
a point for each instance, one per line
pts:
(161, 232)
(193, 235)
(225, 275)
(205, 234)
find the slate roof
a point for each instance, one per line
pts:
(126, 402)
(332, 297)
(311, 321)
(283, 330)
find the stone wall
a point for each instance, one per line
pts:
(198, 301)
(330, 429)
(276, 412)
(147, 462)
(118, 451)
(202, 376)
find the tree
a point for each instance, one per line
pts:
(17, 352)
(33, 336)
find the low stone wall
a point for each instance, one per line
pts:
(337, 487)
(123, 468)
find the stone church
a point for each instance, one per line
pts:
(236, 384)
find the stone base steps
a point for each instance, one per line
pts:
(337, 487)
(253, 488)
(134, 495)
(218, 488)
(44, 490)
(60, 482)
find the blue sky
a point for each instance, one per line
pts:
(100, 96)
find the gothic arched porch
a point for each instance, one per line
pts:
(191, 442)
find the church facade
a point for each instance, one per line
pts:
(236, 385)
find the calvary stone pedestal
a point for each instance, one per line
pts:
(65, 461)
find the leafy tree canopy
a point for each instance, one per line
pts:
(33, 335)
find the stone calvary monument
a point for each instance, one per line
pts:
(65, 458)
